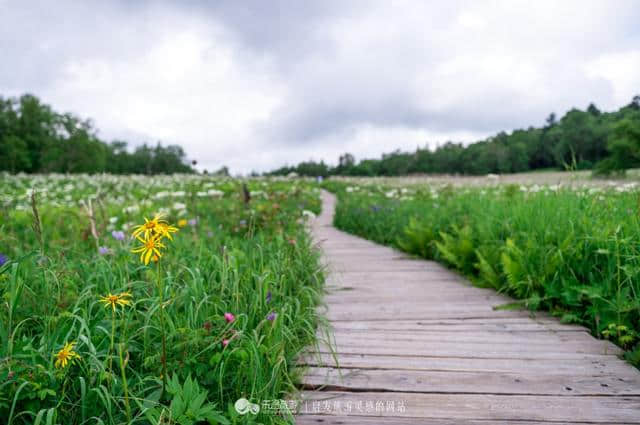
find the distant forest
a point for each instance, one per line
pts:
(607, 142)
(36, 139)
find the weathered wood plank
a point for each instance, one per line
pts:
(408, 311)
(617, 409)
(455, 325)
(373, 420)
(472, 350)
(384, 278)
(526, 339)
(547, 367)
(397, 380)
(390, 276)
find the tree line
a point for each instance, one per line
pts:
(607, 142)
(36, 139)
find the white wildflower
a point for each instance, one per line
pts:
(215, 193)
(308, 214)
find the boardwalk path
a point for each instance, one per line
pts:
(418, 344)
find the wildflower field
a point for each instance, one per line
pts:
(152, 299)
(571, 249)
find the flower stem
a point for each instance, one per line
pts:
(125, 386)
(113, 331)
(162, 327)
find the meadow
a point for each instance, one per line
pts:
(570, 248)
(211, 301)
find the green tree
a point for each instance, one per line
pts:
(34, 138)
(624, 146)
(36, 126)
(346, 163)
(14, 154)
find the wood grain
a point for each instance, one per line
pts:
(489, 407)
(411, 332)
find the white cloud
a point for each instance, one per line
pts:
(254, 86)
(187, 88)
(620, 71)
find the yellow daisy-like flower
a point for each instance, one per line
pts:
(182, 222)
(114, 300)
(149, 227)
(164, 229)
(151, 245)
(66, 355)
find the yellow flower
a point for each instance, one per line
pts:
(113, 300)
(165, 229)
(151, 245)
(66, 355)
(149, 226)
(182, 222)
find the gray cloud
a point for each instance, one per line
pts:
(257, 84)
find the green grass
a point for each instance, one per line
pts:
(253, 260)
(573, 252)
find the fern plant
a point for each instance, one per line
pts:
(458, 248)
(513, 260)
(417, 238)
(488, 269)
(189, 406)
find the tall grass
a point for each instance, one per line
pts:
(253, 260)
(573, 252)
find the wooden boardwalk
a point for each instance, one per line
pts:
(417, 344)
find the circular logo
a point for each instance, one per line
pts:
(244, 406)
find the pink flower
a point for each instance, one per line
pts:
(229, 317)
(225, 342)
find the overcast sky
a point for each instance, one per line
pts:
(258, 84)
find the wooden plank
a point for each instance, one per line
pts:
(375, 420)
(472, 350)
(345, 336)
(406, 311)
(385, 276)
(548, 367)
(433, 291)
(397, 380)
(525, 318)
(349, 296)
(616, 409)
(455, 325)
(379, 267)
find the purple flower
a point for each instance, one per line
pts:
(118, 235)
(3, 260)
(272, 316)
(268, 298)
(103, 250)
(229, 317)
(210, 233)
(193, 222)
